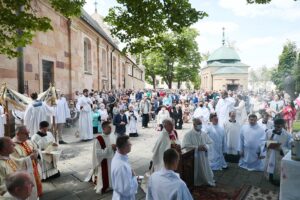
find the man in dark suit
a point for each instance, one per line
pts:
(120, 121)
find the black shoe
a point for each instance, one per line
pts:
(62, 142)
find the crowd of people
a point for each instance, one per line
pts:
(253, 130)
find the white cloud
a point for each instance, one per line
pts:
(215, 27)
(282, 9)
(257, 42)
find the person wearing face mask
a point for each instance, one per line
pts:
(161, 116)
(198, 139)
(278, 144)
(202, 113)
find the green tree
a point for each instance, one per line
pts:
(297, 75)
(176, 57)
(286, 65)
(135, 19)
(19, 21)
(261, 1)
(153, 62)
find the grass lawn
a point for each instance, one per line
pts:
(296, 127)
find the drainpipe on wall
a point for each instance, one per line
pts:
(98, 64)
(20, 62)
(212, 83)
(111, 68)
(69, 22)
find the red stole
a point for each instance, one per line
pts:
(104, 166)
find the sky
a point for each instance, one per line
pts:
(258, 32)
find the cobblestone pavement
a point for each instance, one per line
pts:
(76, 158)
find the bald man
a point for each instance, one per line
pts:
(19, 186)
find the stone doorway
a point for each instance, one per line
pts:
(232, 87)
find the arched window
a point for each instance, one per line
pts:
(104, 63)
(87, 55)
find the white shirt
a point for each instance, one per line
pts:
(123, 182)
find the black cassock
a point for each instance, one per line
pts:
(176, 115)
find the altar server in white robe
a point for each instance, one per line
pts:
(241, 113)
(217, 148)
(124, 180)
(252, 145)
(44, 141)
(223, 107)
(164, 141)
(202, 113)
(36, 112)
(62, 112)
(198, 139)
(278, 144)
(103, 152)
(132, 117)
(232, 130)
(84, 104)
(166, 184)
(2, 120)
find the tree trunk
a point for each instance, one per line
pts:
(178, 85)
(153, 82)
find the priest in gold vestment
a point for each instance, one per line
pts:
(26, 154)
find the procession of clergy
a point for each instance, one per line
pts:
(226, 134)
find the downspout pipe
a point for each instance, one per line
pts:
(70, 58)
(111, 68)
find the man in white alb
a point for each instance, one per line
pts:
(198, 139)
(124, 181)
(84, 104)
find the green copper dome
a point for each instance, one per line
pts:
(224, 54)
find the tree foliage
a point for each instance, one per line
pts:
(287, 62)
(261, 1)
(297, 74)
(135, 19)
(19, 21)
(176, 57)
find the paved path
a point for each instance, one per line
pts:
(76, 162)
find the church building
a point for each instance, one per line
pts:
(224, 71)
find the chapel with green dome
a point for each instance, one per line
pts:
(224, 70)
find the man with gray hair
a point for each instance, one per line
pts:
(198, 139)
(167, 139)
(19, 186)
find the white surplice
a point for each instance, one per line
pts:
(167, 185)
(273, 157)
(85, 118)
(202, 171)
(124, 184)
(35, 113)
(241, 113)
(62, 111)
(98, 155)
(131, 126)
(163, 143)
(217, 148)
(49, 159)
(232, 137)
(223, 107)
(2, 121)
(252, 146)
